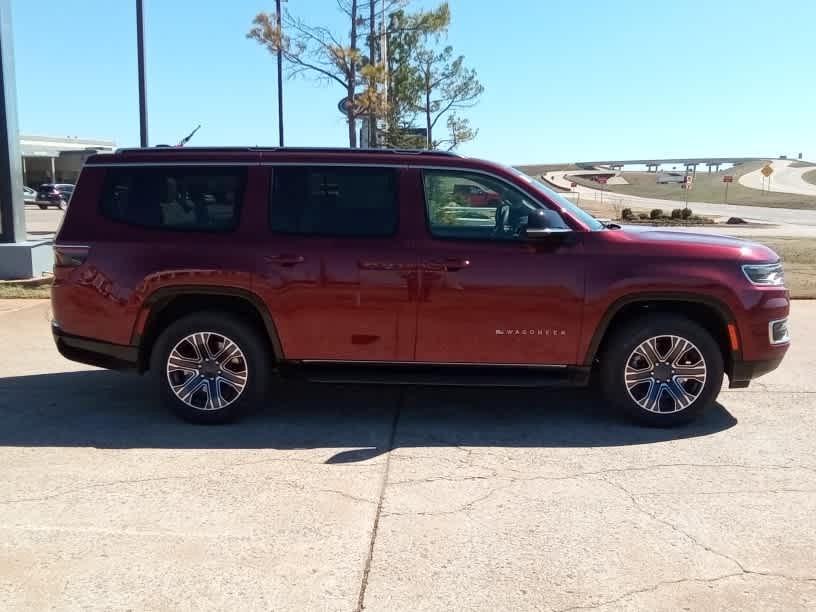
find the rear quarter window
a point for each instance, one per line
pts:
(204, 199)
(334, 201)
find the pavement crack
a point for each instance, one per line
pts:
(649, 589)
(114, 483)
(662, 583)
(640, 508)
(375, 527)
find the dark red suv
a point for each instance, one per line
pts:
(220, 269)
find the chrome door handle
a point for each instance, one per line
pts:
(448, 263)
(285, 259)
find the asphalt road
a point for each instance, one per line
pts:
(334, 498)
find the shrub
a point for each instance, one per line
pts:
(627, 214)
(657, 213)
(677, 213)
(643, 216)
(686, 213)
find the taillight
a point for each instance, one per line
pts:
(70, 256)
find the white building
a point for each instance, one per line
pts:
(49, 159)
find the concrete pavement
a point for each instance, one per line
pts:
(338, 498)
(785, 179)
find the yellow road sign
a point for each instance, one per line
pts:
(767, 170)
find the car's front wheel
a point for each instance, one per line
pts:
(210, 367)
(662, 370)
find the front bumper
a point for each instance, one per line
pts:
(94, 352)
(743, 372)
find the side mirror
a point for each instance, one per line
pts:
(545, 223)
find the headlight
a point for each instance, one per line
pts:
(765, 274)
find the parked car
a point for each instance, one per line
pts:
(218, 270)
(54, 194)
(29, 195)
(474, 195)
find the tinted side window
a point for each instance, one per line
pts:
(198, 199)
(473, 206)
(332, 201)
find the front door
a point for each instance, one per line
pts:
(339, 282)
(488, 295)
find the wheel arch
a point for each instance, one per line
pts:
(710, 313)
(168, 304)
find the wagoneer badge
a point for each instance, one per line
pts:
(531, 332)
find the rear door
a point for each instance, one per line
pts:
(338, 280)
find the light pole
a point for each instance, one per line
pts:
(141, 62)
(12, 215)
(280, 72)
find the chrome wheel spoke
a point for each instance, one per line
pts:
(229, 351)
(681, 397)
(634, 377)
(202, 343)
(207, 371)
(648, 349)
(178, 362)
(679, 347)
(214, 398)
(696, 372)
(187, 389)
(651, 401)
(236, 380)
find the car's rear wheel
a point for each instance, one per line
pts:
(43, 206)
(210, 367)
(662, 370)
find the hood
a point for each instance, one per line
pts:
(691, 244)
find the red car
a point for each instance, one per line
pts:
(218, 270)
(475, 195)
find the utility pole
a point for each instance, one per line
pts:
(141, 62)
(280, 71)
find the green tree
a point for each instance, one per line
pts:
(406, 32)
(446, 85)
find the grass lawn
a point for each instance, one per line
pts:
(799, 258)
(707, 188)
(20, 291)
(810, 177)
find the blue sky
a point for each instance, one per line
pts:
(564, 81)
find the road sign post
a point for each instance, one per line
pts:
(687, 181)
(727, 179)
(766, 171)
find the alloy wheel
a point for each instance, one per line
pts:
(665, 374)
(207, 371)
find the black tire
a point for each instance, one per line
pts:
(43, 206)
(619, 349)
(257, 362)
(62, 205)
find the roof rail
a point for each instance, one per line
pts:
(290, 150)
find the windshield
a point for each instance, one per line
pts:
(580, 214)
